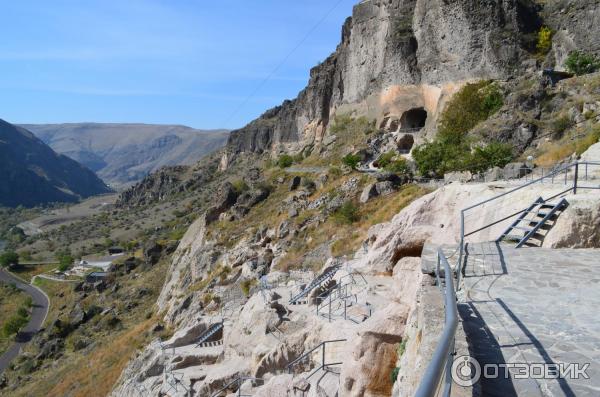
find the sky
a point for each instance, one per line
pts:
(197, 63)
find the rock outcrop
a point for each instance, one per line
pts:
(395, 56)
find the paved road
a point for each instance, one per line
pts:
(38, 315)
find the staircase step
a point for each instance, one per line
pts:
(512, 237)
(527, 229)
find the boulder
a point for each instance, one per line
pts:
(152, 252)
(493, 174)
(385, 188)
(368, 193)
(292, 212)
(77, 316)
(51, 349)
(226, 197)
(516, 170)
(462, 177)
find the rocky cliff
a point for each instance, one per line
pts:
(399, 55)
(394, 56)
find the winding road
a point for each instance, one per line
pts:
(38, 315)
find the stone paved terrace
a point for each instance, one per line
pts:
(533, 305)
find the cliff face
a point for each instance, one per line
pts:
(387, 46)
(396, 55)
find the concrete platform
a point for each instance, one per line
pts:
(535, 306)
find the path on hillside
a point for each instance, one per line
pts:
(536, 306)
(38, 315)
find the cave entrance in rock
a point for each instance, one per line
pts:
(413, 119)
(406, 143)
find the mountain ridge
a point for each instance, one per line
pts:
(124, 153)
(32, 173)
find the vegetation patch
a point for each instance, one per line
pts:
(14, 313)
(453, 149)
(581, 63)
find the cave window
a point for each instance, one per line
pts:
(406, 143)
(413, 119)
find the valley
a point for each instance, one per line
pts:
(431, 194)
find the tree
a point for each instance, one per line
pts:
(9, 258)
(544, 42)
(65, 261)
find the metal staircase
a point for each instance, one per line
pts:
(529, 223)
(203, 339)
(301, 297)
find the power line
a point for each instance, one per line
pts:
(264, 81)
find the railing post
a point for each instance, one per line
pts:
(323, 355)
(329, 307)
(575, 178)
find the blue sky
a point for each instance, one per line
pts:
(168, 62)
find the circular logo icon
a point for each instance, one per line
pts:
(466, 371)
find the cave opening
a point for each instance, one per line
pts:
(414, 118)
(406, 143)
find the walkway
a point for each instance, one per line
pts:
(38, 315)
(533, 305)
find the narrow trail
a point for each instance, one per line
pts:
(38, 316)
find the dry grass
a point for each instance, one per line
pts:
(96, 374)
(554, 152)
(93, 371)
(27, 272)
(345, 239)
(11, 299)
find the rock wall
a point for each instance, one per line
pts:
(391, 44)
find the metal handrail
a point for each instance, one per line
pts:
(564, 169)
(240, 380)
(321, 345)
(439, 369)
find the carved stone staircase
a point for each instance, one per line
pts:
(302, 296)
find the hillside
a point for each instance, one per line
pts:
(122, 154)
(31, 173)
(300, 242)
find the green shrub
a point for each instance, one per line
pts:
(285, 160)
(562, 124)
(581, 63)
(544, 40)
(13, 325)
(9, 258)
(451, 150)
(240, 186)
(493, 155)
(22, 312)
(65, 261)
(351, 160)
(347, 213)
(474, 103)
(394, 374)
(389, 162)
(246, 285)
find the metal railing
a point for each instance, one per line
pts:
(307, 357)
(238, 383)
(437, 377)
(572, 177)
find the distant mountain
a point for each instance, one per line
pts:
(31, 173)
(122, 154)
